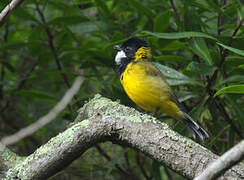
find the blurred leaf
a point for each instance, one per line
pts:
(142, 22)
(179, 35)
(235, 78)
(115, 160)
(156, 171)
(16, 45)
(201, 69)
(9, 66)
(67, 20)
(171, 58)
(237, 107)
(239, 89)
(169, 72)
(174, 45)
(86, 27)
(141, 7)
(199, 108)
(175, 77)
(23, 13)
(234, 50)
(241, 66)
(161, 21)
(37, 94)
(198, 45)
(62, 6)
(102, 7)
(185, 95)
(190, 23)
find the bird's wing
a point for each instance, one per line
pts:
(161, 83)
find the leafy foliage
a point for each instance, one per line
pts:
(199, 49)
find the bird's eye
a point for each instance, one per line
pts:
(128, 48)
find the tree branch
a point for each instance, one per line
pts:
(8, 10)
(45, 119)
(51, 45)
(102, 120)
(227, 160)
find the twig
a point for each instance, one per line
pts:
(219, 22)
(168, 173)
(102, 152)
(53, 50)
(20, 85)
(51, 44)
(5, 39)
(176, 14)
(138, 161)
(223, 55)
(47, 118)
(127, 161)
(23, 81)
(8, 10)
(225, 162)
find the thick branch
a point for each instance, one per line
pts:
(101, 120)
(8, 10)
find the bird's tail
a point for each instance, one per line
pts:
(194, 128)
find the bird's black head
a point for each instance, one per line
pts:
(134, 48)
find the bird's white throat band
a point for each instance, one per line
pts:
(119, 56)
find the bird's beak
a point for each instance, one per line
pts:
(117, 47)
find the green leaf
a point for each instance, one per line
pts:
(177, 82)
(67, 20)
(102, 7)
(198, 110)
(201, 69)
(141, 7)
(241, 66)
(38, 95)
(174, 45)
(239, 89)
(87, 27)
(237, 107)
(234, 50)
(169, 72)
(24, 14)
(175, 77)
(179, 35)
(235, 78)
(115, 160)
(156, 171)
(185, 95)
(199, 47)
(161, 21)
(171, 58)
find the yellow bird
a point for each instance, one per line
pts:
(146, 86)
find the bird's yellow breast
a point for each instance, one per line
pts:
(145, 85)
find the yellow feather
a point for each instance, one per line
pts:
(146, 86)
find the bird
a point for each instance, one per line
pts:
(146, 86)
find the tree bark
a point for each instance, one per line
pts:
(103, 120)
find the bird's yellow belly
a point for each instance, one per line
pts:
(147, 93)
(142, 95)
